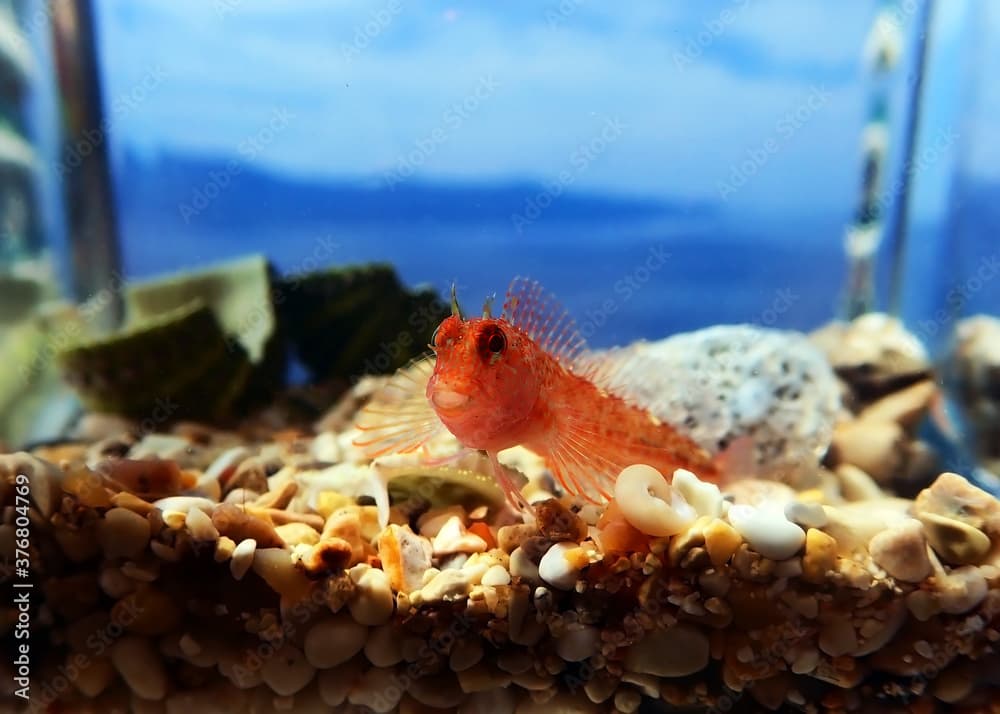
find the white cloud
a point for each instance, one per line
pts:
(687, 126)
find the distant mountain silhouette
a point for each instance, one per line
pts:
(228, 192)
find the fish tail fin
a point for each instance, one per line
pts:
(399, 419)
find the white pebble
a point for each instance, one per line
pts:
(455, 538)
(287, 671)
(808, 515)
(704, 497)
(141, 666)
(183, 504)
(496, 575)
(200, 525)
(767, 531)
(557, 569)
(242, 558)
(521, 566)
(333, 641)
(578, 644)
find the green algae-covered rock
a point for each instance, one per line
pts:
(357, 320)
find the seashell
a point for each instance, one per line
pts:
(650, 504)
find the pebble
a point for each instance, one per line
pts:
(874, 447)
(373, 602)
(94, 678)
(820, 557)
(671, 652)
(561, 565)
(522, 566)
(123, 533)
(453, 537)
(384, 647)
(276, 567)
(952, 496)
(956, 542)
(405, 557)
(961, 590)
(721, 541)
(704, 497)
(450, 584)
(224, 548)
(297, 533)
(200, 525)
(902, 551)
(141, 666)
(496, 576)
(333, 640)
(227, 461)
(578, 643)
(767, 530)
(238, 524)
(466, 653)
(430, 523)
(242, 557)
(146, 477)
(378, 690)
(287, 671)
(807, 515)
(856, 485)
(183, 504)
(440, 691)
(334, 684)
(650, 504)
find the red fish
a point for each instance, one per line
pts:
(523, 379)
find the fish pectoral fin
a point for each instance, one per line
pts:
(579, 462)
(539, 314)
(399, 418)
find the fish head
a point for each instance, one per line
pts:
(485, 382)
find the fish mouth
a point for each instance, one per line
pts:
(448, 400)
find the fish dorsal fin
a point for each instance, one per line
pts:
(400, 419)
(614, 370)
(530, 308)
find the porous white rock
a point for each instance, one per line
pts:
(729, 381)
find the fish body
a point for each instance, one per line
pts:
(521, 379)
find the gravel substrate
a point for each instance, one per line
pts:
(200, 570)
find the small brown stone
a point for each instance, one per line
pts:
(232, 521)
(558, 523)
(329, 555)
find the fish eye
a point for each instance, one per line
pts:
(492, 342)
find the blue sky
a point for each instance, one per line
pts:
(699, 89)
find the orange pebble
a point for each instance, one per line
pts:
(483, 531)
